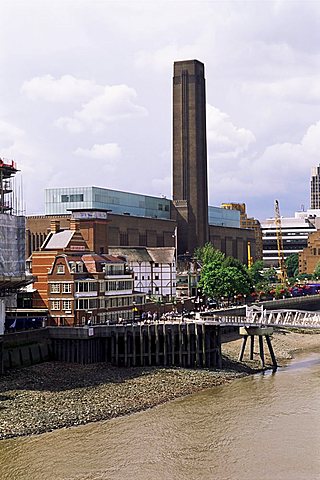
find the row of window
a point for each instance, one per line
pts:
(119, 285)
(76, 197)
(56, 305)
(77, 267)
(64, 287)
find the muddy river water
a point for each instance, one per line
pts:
(264, 427)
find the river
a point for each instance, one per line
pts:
(264, 427)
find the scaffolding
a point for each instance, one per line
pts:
(12, 227)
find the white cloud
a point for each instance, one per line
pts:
(225, 140)
(300, 89)
(9, 134)
(107, 151)
(282, 169)
(64, 89)
(117, 102)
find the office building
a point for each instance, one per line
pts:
(315, 188)
(295, 232)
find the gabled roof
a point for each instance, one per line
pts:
(162, 254)
(94, 263)
(137, 254)
(146, 254)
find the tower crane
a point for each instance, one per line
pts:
(282, 266)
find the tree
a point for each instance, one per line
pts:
(256, 272)
(292, 264)
(209, 254)
(227, 279)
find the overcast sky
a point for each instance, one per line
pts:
(86, 95)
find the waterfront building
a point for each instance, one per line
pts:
(78, 285)
(154, 270)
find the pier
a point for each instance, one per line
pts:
(167, 344)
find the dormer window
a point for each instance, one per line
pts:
(79, 267)
(72, 266)
(60, 268)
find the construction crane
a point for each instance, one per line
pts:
(282, 266)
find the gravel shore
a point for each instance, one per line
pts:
(53, 395)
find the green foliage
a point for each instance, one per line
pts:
(270, 275)
(209, 254)
(256, 272)
(223, 276)
(292, 264)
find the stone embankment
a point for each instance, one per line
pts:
(54, 395)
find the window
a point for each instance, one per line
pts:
(66, 305)
(86, 287)
(55, 305)
(166, 207)
(72, 266)
(66, 287)
(55, 288)
(76, 197)
(160, 206)
(60, 268)
(79, 267)
(156, 265)
(157, 289)
(156, 277)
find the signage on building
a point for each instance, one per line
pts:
(77, 247)
(89, 215)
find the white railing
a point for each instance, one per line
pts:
(258, 316)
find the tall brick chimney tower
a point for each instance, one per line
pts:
(190, 184)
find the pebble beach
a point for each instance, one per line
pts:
(55, 395)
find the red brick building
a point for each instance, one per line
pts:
(78, 285)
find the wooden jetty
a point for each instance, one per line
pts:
(183, 344)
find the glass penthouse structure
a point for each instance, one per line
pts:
(59, 201)
(62, 200)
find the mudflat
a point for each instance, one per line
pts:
(54, 395)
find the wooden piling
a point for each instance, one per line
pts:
(149, 345)
(188, 345)
(164, 330)
(172, 345)
(134, 357)
(204, 360)
(180, 344)
(141, 347)
(126, 347)
(197, 346)
(156, 331)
